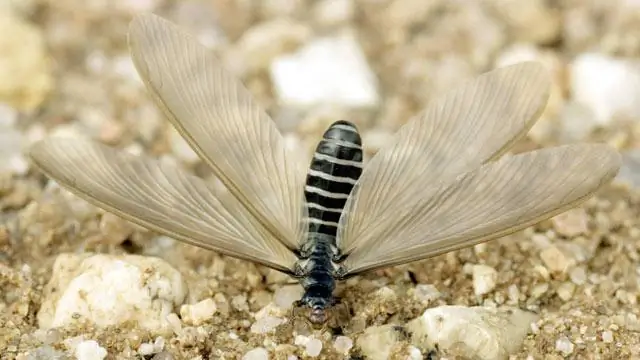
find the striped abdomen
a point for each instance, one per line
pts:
(334, 170)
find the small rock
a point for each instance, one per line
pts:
(628, 321)
(343, 344)
(340, 76)
(377, 342)
(577, 121)
(414, 353)
(108, 290)
(408, 13)
(24, 68)
(43, 353)
(630, 170)
(285, 296)
(301, 340)
(426, 293)
(333, 13)
(578, 275)
(174, 323)
(8, 116)
(531, 21)
(608, 86)
(256, 354)
(163, 355)
(280, 8)
(514, 294)
(149, 348)
(571, 223)
(137, 6)
(267, 319)
(385, 293)
(239, 302)
(313, 347)
(11, 158)
(115, 229)
(565, 291)
(472, 332)
(221, 303)
(263, 42)
(556, 259)
(89, 350)
(539, 290)
(266, 324)
(564, 346)
(484, 279)
(146, 349)
(607, 336)
(199, 313)
(158, 344)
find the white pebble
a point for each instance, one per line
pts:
(137, 6)
(578, 275)
(256, 354)
(8, 116)
(285, 296)
(158, 344)
(313, 347)
(340, 76)
(266, 324)
(426, 293)
(263, 42)
(414, 353)
(108, 290)
(239, 302)
(301, 340)
(90, 350)
(146, 349)
(564, 345)
(477, 332)
(343, 344)
(334, 12)
(174, 323)
(484, 279)
(607, 336)
(11, 157)
(196, 314)
(609, 86)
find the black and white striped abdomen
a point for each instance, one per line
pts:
(334, 170)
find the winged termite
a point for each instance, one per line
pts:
(442, 184)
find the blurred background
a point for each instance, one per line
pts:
(65, 68)
(65, 71)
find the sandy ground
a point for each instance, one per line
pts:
(68, 72)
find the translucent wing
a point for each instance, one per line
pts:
(494, 200)
(222, 123)
(453, 135)
(160, 197)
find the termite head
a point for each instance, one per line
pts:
(322, 314)
(317, 315)
(315, 310)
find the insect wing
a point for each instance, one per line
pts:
(217, 116)
(453, 135)
(494, 200)
(160, 197)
